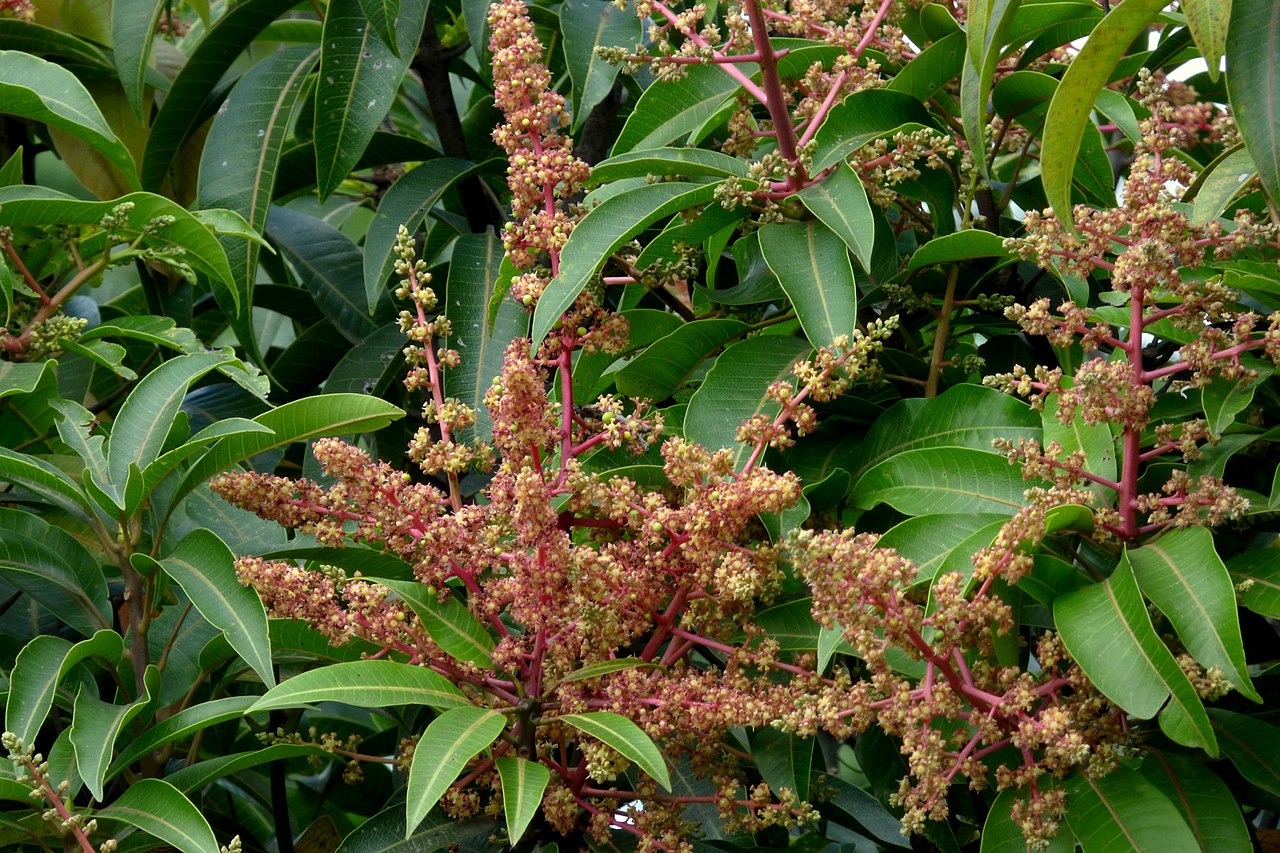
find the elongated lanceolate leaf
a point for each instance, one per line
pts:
(382, 15)
(523, 782)
(450, 624)
(1123, 811)
(987, 23)
(626, 738)
(181, 724)
(450, 741)
(862, 117)
(784, 759)
(1219, 183)
(45, 482)
(44, 92)
(385, 833)
(1257, 574)
(1073, 102)
(96, 725)
(665, 364)
(943, 480)
(671, 112)
(38, 670)
(600, 233)
(205, 569)
(242, 153)
(133, 28)
(359, 77)
(1201, 797)
(159, 809)
(52, 567)
(587, 25)
(812, 266)
(840, 201)
(1183, 575)
(1001, 834)
(1252, 745)
(1106, 628)
(667, 161)
(1208, 21)
(367, 683)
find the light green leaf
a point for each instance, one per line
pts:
(624, 736)
(862, 117)
(685, 162)
(449, 742)
(161, 810)
(1095, 441)
(365, 684)
(1252, 745)
(960, 246)
(987, 23)
(451, 625)
(53, 567)
(96, 725)
(942, 480)
(1123, 811)
(38, 670)
(1073, 102)
(600, 233)
(840, 201)
(1001, 834)
(812, 266)
(664, 365)
(75, 425)
(34, 89)
(1201, 797)
(927, 540)
(934, 67)
(205, 569)
(23, 377)
(1223, 399)
(734, 390)
(523, 783)
(1258, 574)
(133, 28)
(357, 85)
(181, 724)
(1183, 575)
(1106, 628)
(1207, 20)
(168, 461)
(604, 667)
(584, 26)
(674, 111)
(1218, 184)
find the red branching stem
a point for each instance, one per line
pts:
(437, 396)
(565, 363)
(827, 103)
(733, 650)
(27, 277)
(665, 624)
(59, 806)
(775, 97)
(698, 60)
(736, 73)
(874, 25)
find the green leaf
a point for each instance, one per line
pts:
(812, 266)
(840, 201)
(184, 107)
(1069, 111)
(943, 480)
(449, 742)
(785, 760)
(962, 416)
(451, 625)
(1095, 441)
(625, 737)
(365, 684)
(205, 569)
(242, 153)
(584, 26)
(675, 111)
(55, 569)
(664, 365)
(170, 460)
(23, 377)
(161, 810)
(1223, 399)
(382, 16)
(523, 783)
(28, 37)
(185, 722)
(187, 235)
(1207, 20)
(301, 420)
(1108, 632)
(961, 246)
(686, 162)
(867, 812)
(1259, 571)
(1123, 811)
(96, 725)
(604, 667)
(407, 203)
(133, 28)
(44, 482)
(1252, 745)
(359, 77)
(734, 390)
(194, 777)
(473, 275)
(927, 540)
(38, 670)
(600, 233)
(329, 265)
(862, 117)
(385, 833)
(987, 24)
(1203, 799)
(34, 89)
(1001, 834)
(1183, 575)
(1218, 184)
(75, 425)
(934, 67)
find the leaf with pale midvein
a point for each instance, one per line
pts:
(382, 15)
(1073, 102)
(1208, 20)
(1256, 574)
(1183, 575)
(39, 668)
(451, 625)
(205, 569)
(670, 112)
(602, 232)
(663, 366)
(1203, 799)
(1002, 834)
(1108, 632)
(55, 570)
(449, 742)
(942, 480)
(367, 683)
(812, 266)
(987, 23)
(523, 783)
(1252, 745)
(159, 809)
(840, 201)
(624, 736)
(181, 724)
(133, 29)
(1123, 811)
(585, 26)
(96, 725)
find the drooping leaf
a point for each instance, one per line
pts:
(449, 742)
(1257, 576)
(96, 725)
(181, 724)
(55, 569)
(665, 364)
(942, 480)
(595, 670)
(862, 117)
(624, 736)
(205, 569)
(42, 91)
(812, 266)
(161, 810)
(367, 683)
(987, 24)
(586, 25)
(1208, 20)
(359, 77)
(44, 482)
(1252, 745)
(1106, 628)
(1218, 184)
(38, 670)
(867, 812)
(1123, 811)
(523, 782)
(685, 162)
(671, 112)
(1069, 111)
(783, 759)
(385, 833)
(1183, 575)
(1201, 797)
(450, 624)
(841, 202)
(133, 28)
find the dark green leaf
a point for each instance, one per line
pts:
(1123, 811)
(365, 683)
(1203, 799)
(812, 266)
(671, 112)
(586, 25)
(161, 810)
(942, 480)
(664, 365)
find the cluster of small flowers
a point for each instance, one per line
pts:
(23, 10)
(542, 171)
(885, 163)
